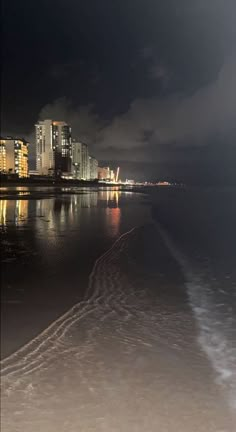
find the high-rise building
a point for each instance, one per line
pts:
(80, 161)
(14, 156)
(53, 147)
(93, 168)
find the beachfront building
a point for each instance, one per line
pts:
(14, 156)
(3, 165)
(53, 147)
(80, 161)
(93, 168)
(33, 173)
(104, 173)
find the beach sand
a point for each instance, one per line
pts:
(125, 359)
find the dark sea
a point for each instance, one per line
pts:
(118, 310)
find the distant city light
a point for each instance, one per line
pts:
(117, 174)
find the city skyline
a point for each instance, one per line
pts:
(58, 153)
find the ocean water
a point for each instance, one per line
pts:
(150, 345)
(198, 227)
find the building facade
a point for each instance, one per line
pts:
(104, 173)
(3, 163)
(80, 161)
(93, 168)
(53, 147)
(14, 156)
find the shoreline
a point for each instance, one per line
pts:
(169, 374)
(49, 191)
(63, 183)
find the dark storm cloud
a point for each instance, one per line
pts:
(178, 118)
(137, 79)
(151, 123)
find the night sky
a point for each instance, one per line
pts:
(149, 84)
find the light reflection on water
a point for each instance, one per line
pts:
(13, 212)
(58, 222)
(16, 212)
(62, 217)
(63, 213)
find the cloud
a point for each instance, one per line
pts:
(159, 72)
(146, 52)
(156, 129)
(180, 119)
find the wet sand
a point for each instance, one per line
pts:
(125, 359)
(48, 249)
